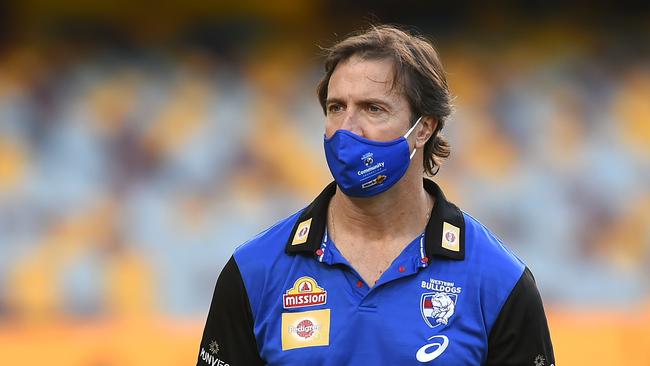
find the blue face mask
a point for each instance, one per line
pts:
(365, 168)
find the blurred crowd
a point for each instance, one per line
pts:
(127, 179)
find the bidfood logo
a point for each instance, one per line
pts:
(305, 292)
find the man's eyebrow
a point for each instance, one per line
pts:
(333, 100)
(376, 101)
(362, 101)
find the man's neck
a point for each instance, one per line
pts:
(401, 212)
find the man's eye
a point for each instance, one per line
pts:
(374, 109)
(334, 108)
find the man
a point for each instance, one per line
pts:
(380, 269)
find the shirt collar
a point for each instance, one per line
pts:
(444, 234)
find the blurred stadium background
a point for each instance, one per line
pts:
(140, 142)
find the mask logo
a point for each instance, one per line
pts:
(367, 159)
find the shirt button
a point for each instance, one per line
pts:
(402, 269)
(359, 284)
(319, 252)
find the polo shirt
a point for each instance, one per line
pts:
(454, 296)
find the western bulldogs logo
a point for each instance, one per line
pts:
(437, 307)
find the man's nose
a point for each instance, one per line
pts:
(352, 122)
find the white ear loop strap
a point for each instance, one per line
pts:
(409, 132)
(413, 153)
(412, 128)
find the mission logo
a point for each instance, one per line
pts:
(305, 292)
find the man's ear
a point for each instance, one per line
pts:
(425, 131)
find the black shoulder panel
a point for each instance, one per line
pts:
(228, 337)
(520, 335)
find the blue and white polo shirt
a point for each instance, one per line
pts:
(455, 296)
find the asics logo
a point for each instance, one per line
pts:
(439, 345)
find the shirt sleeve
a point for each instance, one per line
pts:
(520, 335)
(228, 338)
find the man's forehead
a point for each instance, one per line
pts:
(372, 75)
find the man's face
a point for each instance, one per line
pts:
(360, 99)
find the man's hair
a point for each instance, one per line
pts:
(418, 73)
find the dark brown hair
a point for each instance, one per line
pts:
(418, 73)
